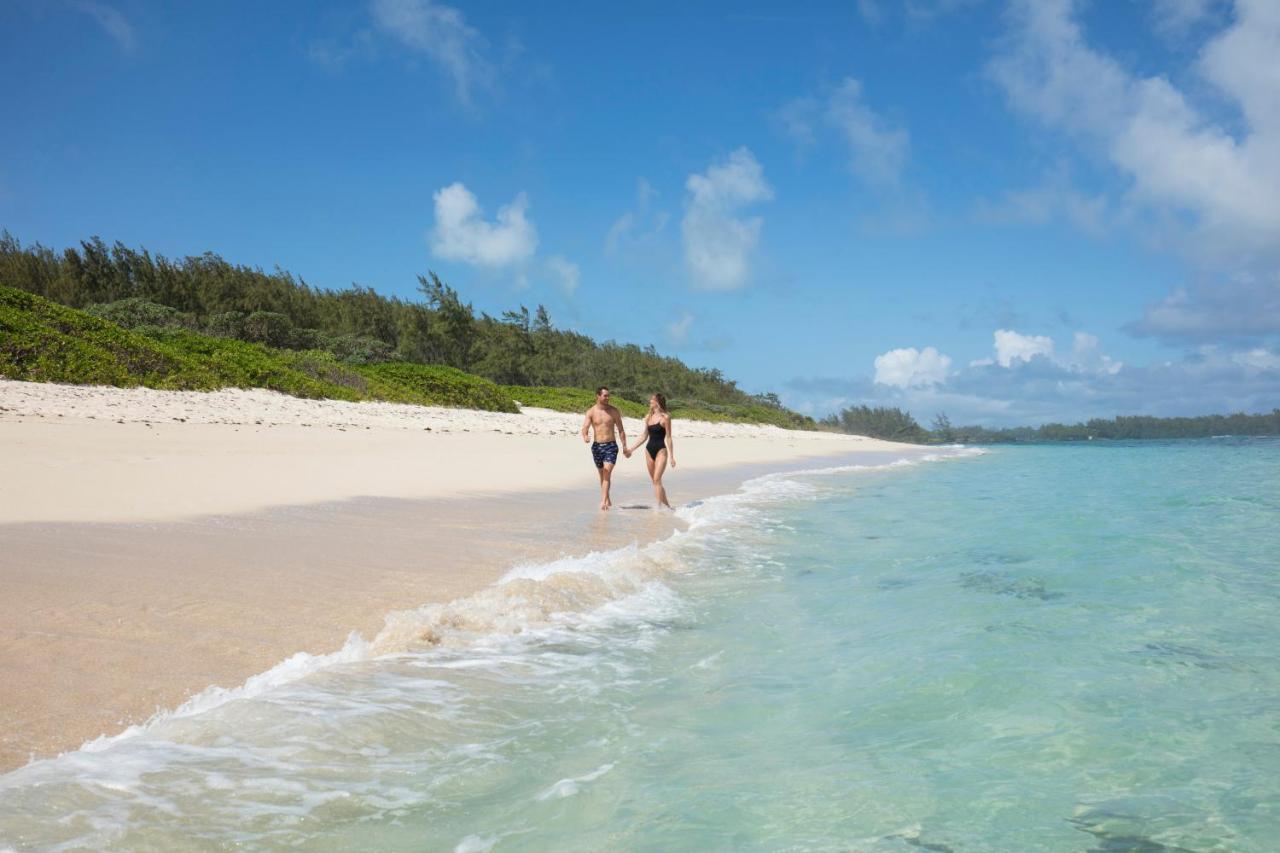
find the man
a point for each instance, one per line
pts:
(603, 419)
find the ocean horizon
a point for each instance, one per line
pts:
(1054, 647)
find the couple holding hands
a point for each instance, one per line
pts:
(604, 419)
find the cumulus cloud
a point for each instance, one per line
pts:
(877, 150)
(1012, 347)
(910, 367)
(565, 273)
(441, 34)
(112, 21)
(718, 241)
(1087, 356)
(461, 232)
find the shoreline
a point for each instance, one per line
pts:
(112, 618)
(95, 454)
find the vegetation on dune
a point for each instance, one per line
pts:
(442, 386)
(358, 326)
(41, 341)
(243, 365)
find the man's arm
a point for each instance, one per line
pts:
(586, 424)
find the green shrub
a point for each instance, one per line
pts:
(41, 341)
(226, 324)
(245, 365)
(441, 386)
(353, 349)
(268, 327)
(134, 312)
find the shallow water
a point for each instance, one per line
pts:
(1051, 648)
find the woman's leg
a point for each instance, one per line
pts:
(648, 462)
(656, 469)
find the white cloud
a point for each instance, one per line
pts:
(1012, 347)
(1087, 356)
(1259, 358)
(678, 331)
(440, 33)
(462, 234)
(717, 241)
(1177, 159)
(112, 21)
(877, 150)
(909, 367)
(566, 274)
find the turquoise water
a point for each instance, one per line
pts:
(1050, 648)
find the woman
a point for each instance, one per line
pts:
(659, 447)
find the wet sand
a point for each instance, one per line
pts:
(104, 624)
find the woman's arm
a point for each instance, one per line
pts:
(640, 439)
(671, 444)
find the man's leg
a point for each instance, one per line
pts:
(606, 481)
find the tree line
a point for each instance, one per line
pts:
(208, 294)
(896, 425)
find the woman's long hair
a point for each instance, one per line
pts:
(662, 402)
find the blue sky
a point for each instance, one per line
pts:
(1009, 211)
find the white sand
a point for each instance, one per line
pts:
(242, 542)
(73, 453)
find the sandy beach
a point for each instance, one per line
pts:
(153, 544)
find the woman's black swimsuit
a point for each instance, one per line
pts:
(657, 440)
